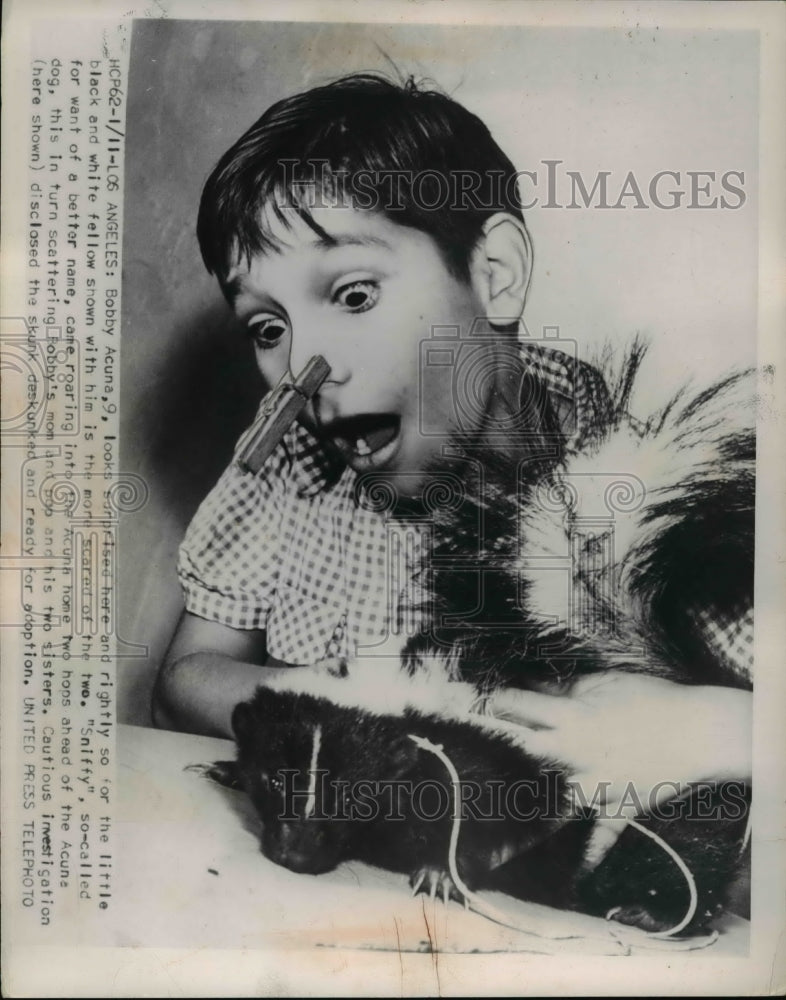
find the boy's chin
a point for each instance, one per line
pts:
(385, 489)
(417, 486)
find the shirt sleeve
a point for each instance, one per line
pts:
(730, 637)
(229, 561)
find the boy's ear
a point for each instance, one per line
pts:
(502, 267)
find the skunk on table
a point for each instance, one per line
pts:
(635, 554)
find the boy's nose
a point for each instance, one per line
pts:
(301, 354)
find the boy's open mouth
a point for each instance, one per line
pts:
(366, 440)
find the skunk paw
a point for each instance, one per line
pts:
(636, 915)
(223, 772)
(436, 882)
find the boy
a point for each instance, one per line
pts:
(352, 221)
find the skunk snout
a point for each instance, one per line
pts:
(304, 846)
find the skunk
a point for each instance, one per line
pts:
(613, 558)
(621, 557)
(333, 783)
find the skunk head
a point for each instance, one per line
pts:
(301, 761)
(283, 752)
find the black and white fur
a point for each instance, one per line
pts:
(352, 785)
(682, 531)
(650, 524)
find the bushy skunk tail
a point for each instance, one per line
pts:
(636, 553)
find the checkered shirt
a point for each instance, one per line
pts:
(730, 637)
(284, 552)
(297, 551)
(292, 551)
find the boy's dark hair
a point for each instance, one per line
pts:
(416, 155)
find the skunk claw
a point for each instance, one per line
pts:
(436, 882)
(637, 916)
(222, 772)
(202, 768)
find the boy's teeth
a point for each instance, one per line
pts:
(361, 447)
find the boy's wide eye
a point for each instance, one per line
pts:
(357, 296)
(267, 331)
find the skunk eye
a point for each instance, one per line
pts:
(357, 296)
(267, 331)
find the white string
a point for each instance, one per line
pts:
(694, 896)
(479, 905)
(492, 913)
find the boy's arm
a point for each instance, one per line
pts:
(207, 670)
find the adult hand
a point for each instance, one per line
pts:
(632, 738)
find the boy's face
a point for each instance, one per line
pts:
(365, 296)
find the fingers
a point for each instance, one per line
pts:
(603, 837)
(542, 743)
(531, 708)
